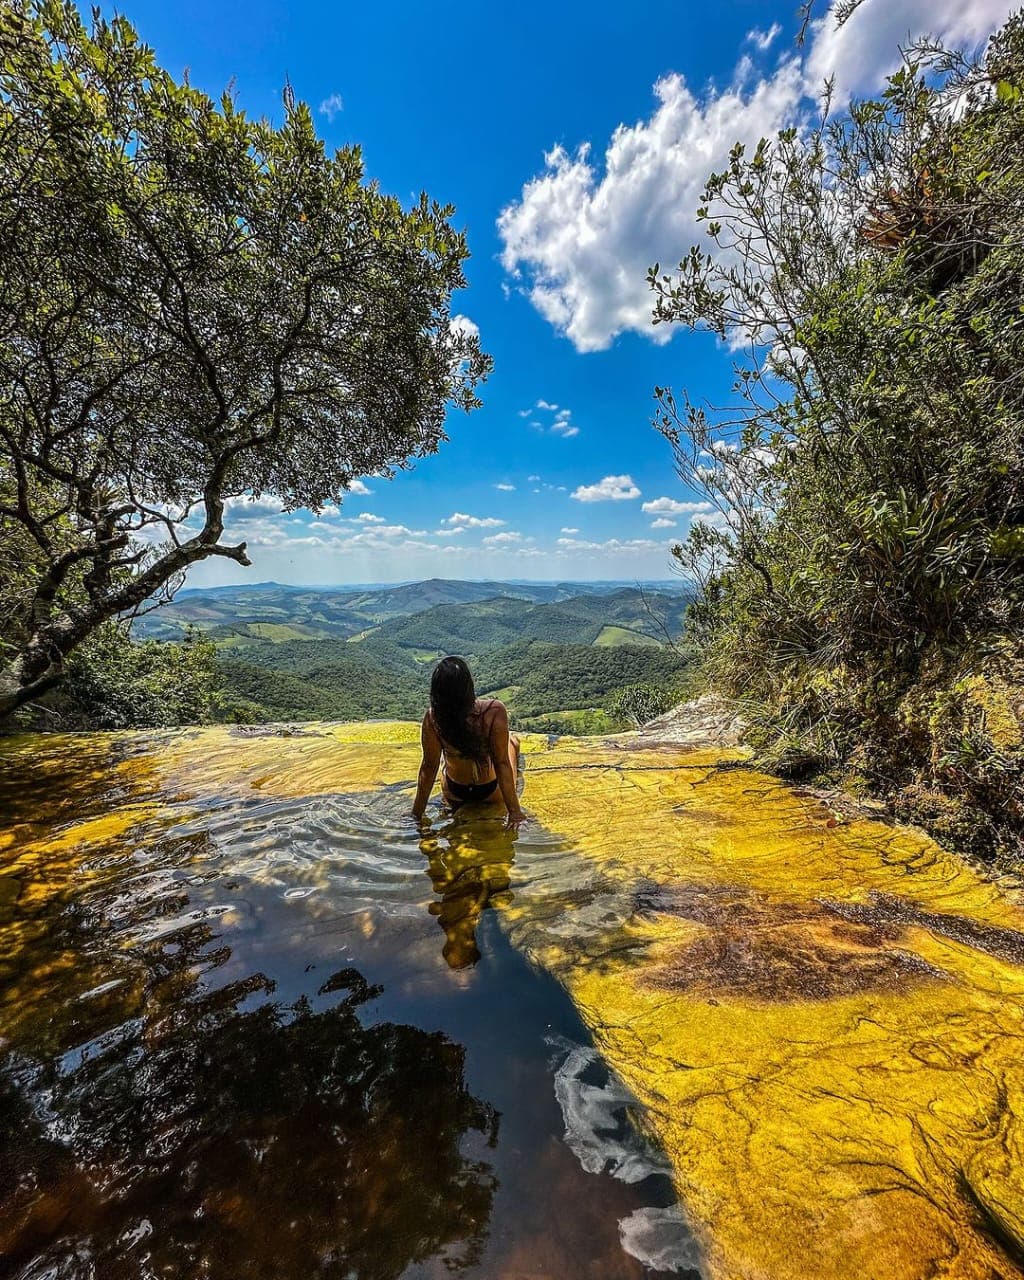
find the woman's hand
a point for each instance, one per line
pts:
(514, 819)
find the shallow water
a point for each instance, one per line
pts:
(252, 1023)
(284, 1036)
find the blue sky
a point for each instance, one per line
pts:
(573, 140)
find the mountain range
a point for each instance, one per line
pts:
(555, 652)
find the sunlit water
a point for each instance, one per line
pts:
(254, 1024)
(249, 1037)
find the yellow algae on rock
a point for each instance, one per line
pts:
(824, 1022)
(308, 759)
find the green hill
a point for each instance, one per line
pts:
(552, 662)
(334, 687)
(537, 678)
(235, 617)
(471, 629)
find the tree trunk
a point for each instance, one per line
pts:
(39, 666)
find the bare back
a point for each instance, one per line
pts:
(468, 769)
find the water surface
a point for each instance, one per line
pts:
(285, 1037)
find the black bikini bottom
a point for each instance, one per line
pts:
(467, 791)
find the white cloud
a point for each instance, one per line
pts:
(505, 488)
(583, 232)
(633, 546)
(561, 425)
(357, 486)
(459, 518)
(375, 532)
(447, 533)
(533, 478)
(497, 539)
(332, 106)
(763, 39)
(463, 324)
(243, 508)
(866, 47)
(610, 489)
(368, 518)
(670, 507)
(662, 523)
(567, 529)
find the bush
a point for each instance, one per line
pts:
(114, 682)
(871, 486)
(638, 703)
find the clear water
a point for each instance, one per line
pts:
(290, 1038)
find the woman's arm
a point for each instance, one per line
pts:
(431, 745)
(497, 741)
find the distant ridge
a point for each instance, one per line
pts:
(598, 586)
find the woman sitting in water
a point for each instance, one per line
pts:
(480, 755)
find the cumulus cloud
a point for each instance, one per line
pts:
(357, 486)
(245, 508)
(560, 423)
(670, 507)
(631, 546)
(459, 518)
(369, 518)
(865, 48)
(662, 523)
(463, 324)
(610, 489)
(498, 539)
(332, 106)
(583, 232)
(567, 529)
(563, 425)
(505, 488)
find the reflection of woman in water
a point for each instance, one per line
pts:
(471, 733)
(470, 866)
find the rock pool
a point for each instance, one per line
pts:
(254, 1024)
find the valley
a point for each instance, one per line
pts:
(556, 653)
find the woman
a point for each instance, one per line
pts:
(480, 755)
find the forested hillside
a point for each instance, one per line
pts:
(239, 615)
(542, 659)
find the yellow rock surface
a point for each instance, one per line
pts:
(823, 1022)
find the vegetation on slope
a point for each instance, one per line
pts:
(548, 677)
(867, 594)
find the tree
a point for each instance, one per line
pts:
(194, 306)
(638, 703)
(870, 477)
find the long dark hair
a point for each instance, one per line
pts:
(452, 699)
